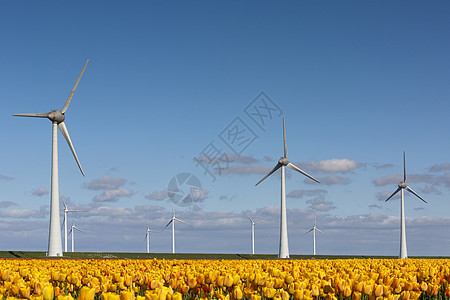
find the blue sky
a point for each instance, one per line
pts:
(358, 84)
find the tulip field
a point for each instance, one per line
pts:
(119, 279)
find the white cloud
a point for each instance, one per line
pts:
(440, 168)
(394, 179)
(303, 193)
(25, 213)
(112, 189)
(329, 180)
(382, 166)
(320, 204)
(113, 195)
(6, 178)
(6, 204)
(229, 232)
(335, 165)
(105, 183)
(157, 195)
(40, 191)
(262, 170)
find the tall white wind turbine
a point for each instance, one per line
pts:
(253, 232)
(401, 187)
(66, 212)
(147, 237)
(172, 220)
(284, 162)
(72, 230)
(314, 229)
(57, 117)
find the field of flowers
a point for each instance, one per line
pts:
(355, 279)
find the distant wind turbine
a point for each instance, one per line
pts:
(253, 232)
(284, 162)
(72, 230)
(147, 237)
(66, 212)
(401, 187)
(314, 229)
(57, 117)
(172, 220)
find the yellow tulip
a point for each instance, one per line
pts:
(378, 290)
(126, 295)
(356, 296)
(314, 290)
(347, 291)
(228, 280)
(48, 293)
(298, 294)
(4, 274)
(367, 289)
(405, 295)
(24, 291)
(237, 293)
(86, 293)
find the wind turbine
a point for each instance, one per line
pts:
(72, 230)
(66, 212)
(284, 162)
(401, 187)
(147, 237)
(314, 229)
(57, 117)
(253, 232)
(172, 220)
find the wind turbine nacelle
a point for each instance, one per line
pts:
(283, 161)
(402, 185)
(56, 116)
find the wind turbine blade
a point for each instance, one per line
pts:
(62, 127)
(249, 218)
(309, 231)
(64, 219)
(70, 231)
(415, 194)
(41, 115)
(78, 229)
(270, 173)
(176, 219)
(404, 167)
(74, 210)
(259, 222)
(64, 203)
(146, 234)
(155, 230)
(319, 231)
(295, 168)
(396, 191)
(171, 220)
(284, 139)
(66, 105)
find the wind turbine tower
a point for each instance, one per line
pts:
(57, 118)
(253, 232)
(66, 212)
(314, 229)
(172, 220)
(72, 230)
(147, 237)
(401, 187)
(282, 163)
